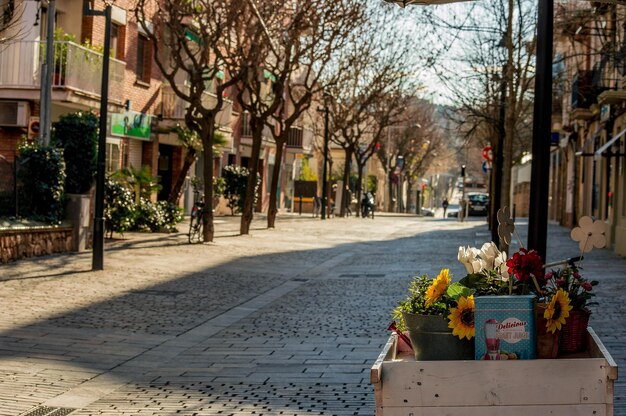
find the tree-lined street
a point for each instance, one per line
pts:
(283, 321)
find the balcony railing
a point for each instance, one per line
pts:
(174, 107)
(295, 138)
(75, 67)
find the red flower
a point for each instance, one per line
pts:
(525, 263)
(561, 282)
(587, 286)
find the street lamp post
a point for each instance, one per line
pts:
(97, 262)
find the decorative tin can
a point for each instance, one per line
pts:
(505, 327)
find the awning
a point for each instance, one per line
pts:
(598, 153)
(587, 142)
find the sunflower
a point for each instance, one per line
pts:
(557, 310)
(438, 287)
(462, 318)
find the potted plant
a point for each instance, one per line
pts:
(438, 316)
(570, 306)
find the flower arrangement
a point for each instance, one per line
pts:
(439, 296)
(560, 293)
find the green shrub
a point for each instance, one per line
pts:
(150, 217)
(122, 214)
(119, 207)
(172, 215)
(77, 135)
(235, 183)
(42, 173)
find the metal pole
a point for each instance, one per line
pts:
(98, 222)
(325, 169)
(496, 198)
(45, 103)
(540, 173)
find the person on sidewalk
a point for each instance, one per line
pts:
(444, 204)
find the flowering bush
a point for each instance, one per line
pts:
(578, 289)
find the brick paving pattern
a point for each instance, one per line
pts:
(282, 322)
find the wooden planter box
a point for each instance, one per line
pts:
(580, 384)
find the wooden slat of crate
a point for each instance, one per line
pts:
(563, 410)
(404, 386)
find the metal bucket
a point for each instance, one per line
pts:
(432, 340)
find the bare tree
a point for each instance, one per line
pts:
(386, 111)
(380, 67)
(189, 40)
(494, 58)
(10, 13)
(305, 51)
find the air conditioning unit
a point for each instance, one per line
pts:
(14, 113)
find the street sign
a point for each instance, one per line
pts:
(488, 154)
(487, 166)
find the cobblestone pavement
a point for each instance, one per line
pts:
(285, 321)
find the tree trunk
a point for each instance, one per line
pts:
(177, 189)
(359, 188)
(390, 190)
(346, 181)
(247, 213)
(208, 127)
(273, 207)
(409, 192)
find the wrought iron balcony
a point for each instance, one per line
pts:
(174, 107)
(75, 67)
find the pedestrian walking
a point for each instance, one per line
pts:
(444, 204)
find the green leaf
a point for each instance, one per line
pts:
(472, 280)
(456, 290)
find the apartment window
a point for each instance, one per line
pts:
(144, 56)
(113, 156)
(117, 41)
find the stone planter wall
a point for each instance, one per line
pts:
(17, 244)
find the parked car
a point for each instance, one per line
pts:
(478, 203)
(453, 211)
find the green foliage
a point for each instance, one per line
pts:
(172, 215)
(122, 213)
(42, 173)
(236, 181)
(149, 216)
(307, 174)
(219, 186)
(77, 135)
(141, 181)
(119, 207)
(485, 283)
(372, 183)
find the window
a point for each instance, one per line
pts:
(117, 41)
(144, 57)
(113, 159)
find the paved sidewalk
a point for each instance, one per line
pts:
(285, 321)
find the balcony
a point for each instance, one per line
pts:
(294, 141)
(77, 71)
(582, 95)
(174, 107)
